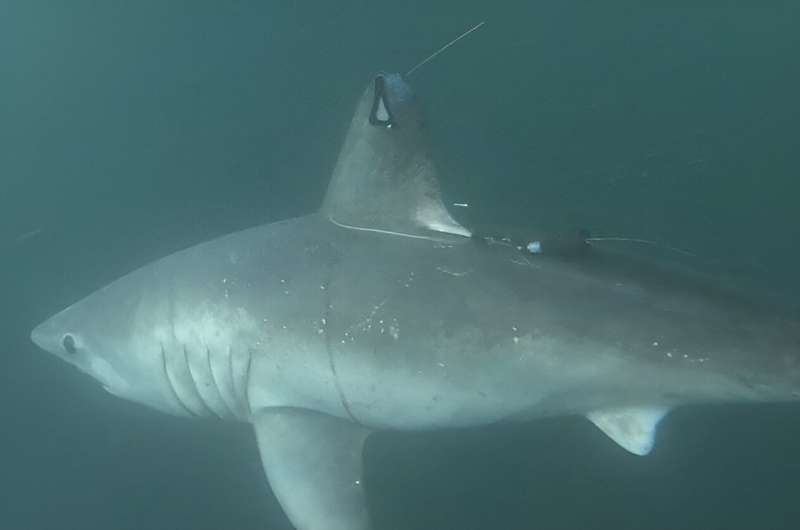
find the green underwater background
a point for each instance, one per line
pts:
(129, 130)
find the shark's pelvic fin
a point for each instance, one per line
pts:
(313, 463)
(633, 428)
(384, 181)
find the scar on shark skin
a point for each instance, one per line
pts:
(451, 272)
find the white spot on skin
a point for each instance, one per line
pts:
(655, 343)
(381, 113)
(366, 323)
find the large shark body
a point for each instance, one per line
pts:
(381, 312)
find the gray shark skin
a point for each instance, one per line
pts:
(381, 312)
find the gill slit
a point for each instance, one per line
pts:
(206, 406)
(237, 394)
(247, 382)
(216, 384)
(240, 386)
(170, 384)
(331, 358)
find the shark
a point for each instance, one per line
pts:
(382, 312)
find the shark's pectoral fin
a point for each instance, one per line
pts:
(313, 463)
(633, 428)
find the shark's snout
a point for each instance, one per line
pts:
(60, 336)
(53, 337)
(41, 336)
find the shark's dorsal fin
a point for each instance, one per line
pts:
(633, 428)
(384, 181)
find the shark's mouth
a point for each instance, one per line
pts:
(108, 377)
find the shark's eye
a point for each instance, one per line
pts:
(68, 343)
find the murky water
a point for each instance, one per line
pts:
(131, 129)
